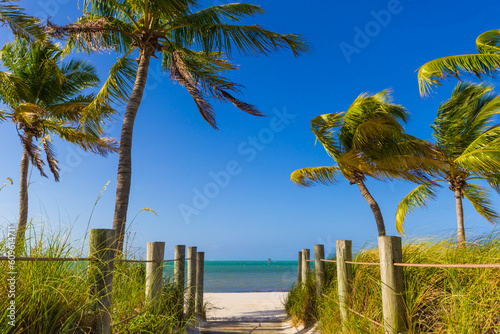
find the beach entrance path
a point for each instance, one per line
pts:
(254, 312)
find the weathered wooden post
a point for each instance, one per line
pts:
(179, 276)
(391, 277)
(299, 269)
(344, 277)
(200, 267)
(319, 268)
(191, 282)
(306, 268)
(100, 275)
(154, 273)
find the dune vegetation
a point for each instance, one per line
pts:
(54, 297)
(437, 300)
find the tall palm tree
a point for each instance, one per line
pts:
(194, 46)
(43, 97)
(468, 138)
(487, 62)
(367, 140)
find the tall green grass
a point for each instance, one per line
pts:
(54, 297)
(437, 300)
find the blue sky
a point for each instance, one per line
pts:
(250, 210)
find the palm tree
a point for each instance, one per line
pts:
(469, 144)
(367, 140)
(194, 46)
(42, 95)
(486, 62)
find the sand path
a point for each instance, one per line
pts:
(255, 313)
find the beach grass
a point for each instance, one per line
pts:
(437, 300)
(54, 297)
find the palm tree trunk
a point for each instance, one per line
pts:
(374, 206)
(125, 158)
(23, 198)
(460, 218)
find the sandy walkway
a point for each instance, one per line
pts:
(246, 313)
(249, 307)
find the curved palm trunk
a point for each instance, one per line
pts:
(23, 198)
(125, 158)
(460, 218)
(374, 206)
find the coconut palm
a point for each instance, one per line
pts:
(469, 143)
(194, 46)
(367, 140)
(487, 62)
(43, 97)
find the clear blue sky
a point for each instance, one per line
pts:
(258, 213)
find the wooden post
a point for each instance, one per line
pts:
(319, 268)
(391, 277)
(154, 272)
(299, 269)
(191, 282)
(344, 278)
(179, 276)
(306, 267)
(200, 266)
(100, 275)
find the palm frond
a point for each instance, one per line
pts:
(93, 33)
(51, 160)
(220, 14)
(489, 42)
(247, 40)
(481, 161)
(417, 198)
(78, 75)
(325, 128)
(28, 113)
(85, 140)
(374, 131)
(34, 154)
(435, 71)
(22, 25)
(181, 74)
(3, 115)
(205, 70)
(488, 139)
(478, 196)
(309, 176)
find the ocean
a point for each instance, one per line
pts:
(249, 276)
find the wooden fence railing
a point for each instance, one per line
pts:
(391, 276)
(100, 274)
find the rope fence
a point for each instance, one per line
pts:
(72, 259)
(437, 265)
(48, 259)
(391, 277)
(332, 261)
(425, 265)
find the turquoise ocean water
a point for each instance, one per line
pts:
(249, 276)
